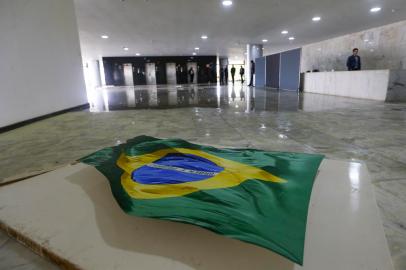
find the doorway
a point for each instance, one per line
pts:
(171, 73)
(128, 75)
(151, 76)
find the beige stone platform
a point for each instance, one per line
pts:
(71, 216)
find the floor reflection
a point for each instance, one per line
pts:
(239, 98)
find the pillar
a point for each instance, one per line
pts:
(254, 51)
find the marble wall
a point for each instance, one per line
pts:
(40, 66)
(380, 48)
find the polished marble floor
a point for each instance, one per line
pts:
(340, 128)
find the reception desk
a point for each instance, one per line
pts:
(381, 85)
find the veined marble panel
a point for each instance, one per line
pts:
(397, 86)
(380, 48)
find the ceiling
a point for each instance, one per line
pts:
(175, 27)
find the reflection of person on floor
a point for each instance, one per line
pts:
(233, 95)
(242, 72)
(192, 93)
(232, 73)
(242, 94)
(226, 75)
(252, 73)
(192, 75)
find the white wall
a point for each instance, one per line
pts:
(380, 48)
(40, 62)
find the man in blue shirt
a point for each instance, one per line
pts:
(354, 61)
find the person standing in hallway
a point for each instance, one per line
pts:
(354, 61)
(192, 75)
(242, 72)
(221, 76)
(226, 75)
(232, 73)
(208, 73)
(252, 73)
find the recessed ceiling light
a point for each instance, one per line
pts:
(197, 48)
(227, 3)
(137, 54)
(316, 19)
(265, 40)
(205, 37)
(194, 53)
(366, 40)
(284, 32)
(375, 9)
(292, 38)
(104, 36)
(125, 48)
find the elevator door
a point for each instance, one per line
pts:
(128, 75)
(151, 76)
(189, 78)
(171, 73)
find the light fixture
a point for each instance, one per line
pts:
(292, 38)
(227, 3)
(316, 19)
(137, 54)
(197, 48)
(125, 48)
(264, 40)
(194, 53)
(375, 9)
(366, 40)
(284, 32)
(205, 37)
(104, 36)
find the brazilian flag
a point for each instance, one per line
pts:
(255, 196)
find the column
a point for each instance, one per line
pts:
(254, 51)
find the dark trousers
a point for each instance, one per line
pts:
(242, 78)
(192, 78)
(232, 78)
(252, 80)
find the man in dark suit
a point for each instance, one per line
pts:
(252, 73)
(232, 73)
(242, 72)
(354, 61)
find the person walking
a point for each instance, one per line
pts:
(252, 73)
(242, 73)
(232, 73)
(192, 75)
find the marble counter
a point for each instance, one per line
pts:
(380, 85)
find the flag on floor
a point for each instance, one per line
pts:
(255, 196)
